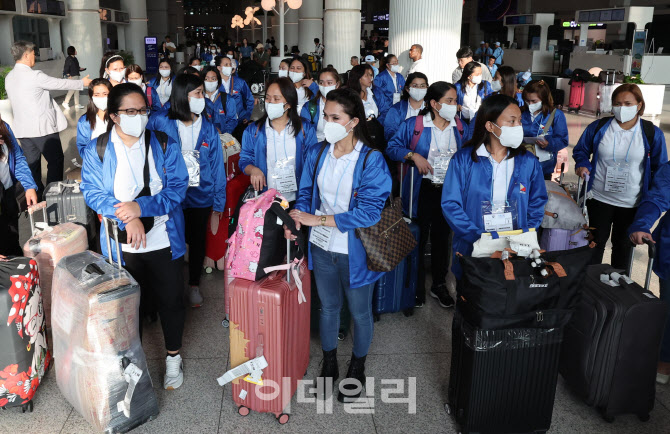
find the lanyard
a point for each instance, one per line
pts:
(337, 190)
(539, 125)
(274, 143)
(629, 145)
(493, 180)
(130, 166)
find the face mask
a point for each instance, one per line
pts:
(133, 125)
(476, 79)
(395, 68)
(218, 50)
(624, 113)
(230, 56)
(164, 72)
(197, 105)
(100, 102)
(535, 106)
(274, 110)
(325, 89)
(213, 50)
(197, 67)
(117, 75)
(137, 82)
(496, 86)
(197, 45)
(510, 137)
(447, 112)
(417, 94)
(335, 132)
(211, 86)
(227, 70)
(283, 73)
(295, 76)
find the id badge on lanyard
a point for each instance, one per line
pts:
(320, 236)
(440, 166)
(616, 179)
(284, 175)
(499, 217)
(192, 160)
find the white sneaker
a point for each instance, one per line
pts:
(174, 372)
(79, 106)
(194, 296)
(66, 105)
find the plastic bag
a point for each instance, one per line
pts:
(561, 210)
(192, 160)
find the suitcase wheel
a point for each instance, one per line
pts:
(447, 408)
(225, 323)
(644, 417)
(243, 411)
(408, 312)
(209, 270)
(283, 418)
(341, 336)
(29, 406)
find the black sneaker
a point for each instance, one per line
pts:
(442, 296)
(419, 303)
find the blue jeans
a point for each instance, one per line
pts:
(665, 344)
(331, 271)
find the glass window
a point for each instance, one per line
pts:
(8, 5)
(35, 30)
(48, 7)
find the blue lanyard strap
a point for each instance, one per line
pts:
(629, 145)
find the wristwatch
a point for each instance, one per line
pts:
(323, 220)
(409, 156)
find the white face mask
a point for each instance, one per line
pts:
(198, 67)
(535, 106)
(137, 82)
(395, 68)
(624, 113)
(100, 102)
(417, 94)
(325, 89)
(496, 86)
(230, 56)
(476, 79)
(296, 76)
(274, 110)
(165, 72)
(212, 50)
(510, 137)
(197, 105)
(227, 70)
(335, 132)
(448, 112)
(211, 86)
(117, 75)
(283, 73)
(133, 125)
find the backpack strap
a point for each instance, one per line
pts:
(316, 166)
(601, 123)
(312, 106)
(161, 137)
(649, 131)
(149, 96)
(224, 100)
(418, 129)
(459, 125)
(365, 161)
(101, 145)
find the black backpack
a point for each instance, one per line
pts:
(647, 128)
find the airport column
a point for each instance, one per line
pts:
(310, 25)
(291, 27)
(82, 30)
(342, 32)
(137, 30)
(435, 25)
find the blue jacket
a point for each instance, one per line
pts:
(499, 53)
(473, 120)
(395, 118)
(383, 89)
(654, 203)
(207, 57)
(399, 146)
(18, 166)
(307, 117)
(468, 184)
(483, 92)
(223, 118)
(98, 188)
(371, 188)
(84, 133)
(589, 142)
(242, 95)
(255, 145)
(212, 189)
(155, 100)
(557, 135)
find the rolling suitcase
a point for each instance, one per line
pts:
(24, 354)
(65, 204)
(611, 345)
(558, 95)
(605, 91)
(576, 96)
(102, 369)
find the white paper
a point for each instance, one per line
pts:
(498, 222)
(542, 155)
(616, 179)
(320, 235)
(250, 367)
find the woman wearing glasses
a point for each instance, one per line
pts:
(411, 102)
(389, 86)
(440, 135)
(201, 147)
(149, 213)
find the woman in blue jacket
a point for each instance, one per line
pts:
(274, 148)
(305, 86)
(236, 88)
(534, 116)
(472, 91)
(161, 87)
(492, 175)
(411, 102)
(140, 184)
(221, 110)
(13, 168)
(351, 186)
(388, 86)
(92, 124)
(624, 153)
(196, 135)
(429, 141)
(312, 112)
(504, 81)
(654, 203)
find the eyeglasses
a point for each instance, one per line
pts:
(134, 112)
(419, 86)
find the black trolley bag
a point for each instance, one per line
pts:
(506, 339)
(611, 346)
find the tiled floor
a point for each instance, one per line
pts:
(416, 348)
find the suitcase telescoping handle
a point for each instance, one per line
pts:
(585, 184)
(411, 185)
(31, 210)
(115, 230)
(652, 254)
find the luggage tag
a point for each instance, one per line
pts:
(192, 160)
(440, 166)
(284, 175)
(616, 179)
(320, 236)
(132, 375)
(498, 217)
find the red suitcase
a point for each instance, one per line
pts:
(267, 319)
(576, 96)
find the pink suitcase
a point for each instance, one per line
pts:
(269, 318)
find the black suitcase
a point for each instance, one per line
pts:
(612, 344)
(503, 381)
(558, 95)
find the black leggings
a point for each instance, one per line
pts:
(9, 223)
(196, 235)
(606, 218)
(162, 277)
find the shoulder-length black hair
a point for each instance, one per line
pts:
(352, 105)
(408, 82)
(507, 81)
(308, 74)
(213, 69)
(115, 98)
(355, 75)
(91, 109)
(4, 135)
(435, 92)
(490, 111)
(182, 85)
(467, 72)
(287, 89)
(334, 73)
(107, 58)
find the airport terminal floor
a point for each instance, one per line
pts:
(408, 364)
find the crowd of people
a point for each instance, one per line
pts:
(336, 146)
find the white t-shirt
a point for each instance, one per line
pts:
(164, 90)
(302, 97)
(471, 101)
(627, 148)
(171, 45)
(418, 66)
(335, 181)
(370, 105)
(226, 83)
(502, 174)
(280, 147)
(440, 141)
(320, 136)
(100, 128)
(412, 111)
(129, 181)
(5, 176)
(188, 135)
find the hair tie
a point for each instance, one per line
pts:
(541, 82)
